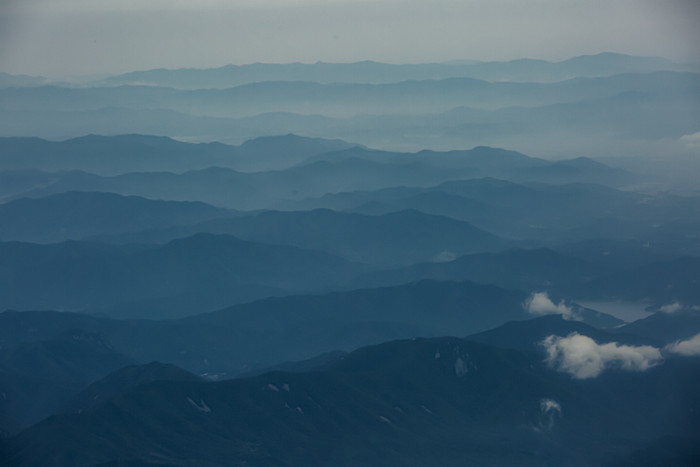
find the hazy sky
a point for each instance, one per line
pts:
(69, 37)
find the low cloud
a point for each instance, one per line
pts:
(445, 256)
(671, 307)
(549, 405)
(550, 410)
(539, 303)
(583, 358)
(691, 139)
(690, 347)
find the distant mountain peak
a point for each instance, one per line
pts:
(583, 162)
(289, 137)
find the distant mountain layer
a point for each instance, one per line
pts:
(313, 175)
(110, 155)
(565, 213)
(441, 401)
(374, 72)
(371, 181)
(114, 155)
(536, 270)
(604, 105)
(346, 100)
(248, 191)
(528, 335)
(663, 282)
(268, 332)
(398, 238)
(176, 271)
(666, 327)
(657, 282)
(8, 80)
(186, 276)
(609, 125)
(76, 215)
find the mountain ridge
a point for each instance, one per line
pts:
(366, 404)
(377, 72)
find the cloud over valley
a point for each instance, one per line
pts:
(583, 358)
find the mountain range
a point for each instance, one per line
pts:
(113, 155)
(374, 72)
(396, 238)
(463, 263)
(185, 276)
(348, 99)
(404, 402)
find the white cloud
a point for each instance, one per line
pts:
(539, 303)
(581, 357)
(460, 368)
(691, 139)
(550, 410)
(444, 257)
(549, 405)
(690, 347)
(671, 307)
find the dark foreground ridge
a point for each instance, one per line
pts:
(442, 401)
